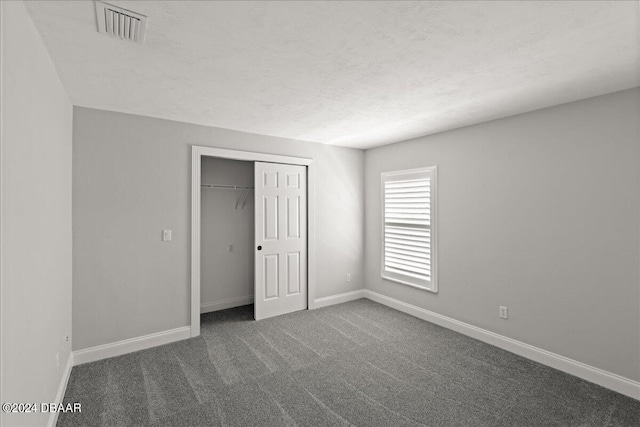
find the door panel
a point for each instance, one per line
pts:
(270, 217)
(293, 273)
(270, 278)
(293, 180)
(281, 235)
(293, 217)
(270, 179)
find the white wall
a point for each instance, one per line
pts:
(35, 219)
(226, 274)
(132, 178)
(538, 212)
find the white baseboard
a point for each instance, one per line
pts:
(595, 375)
(339, 298)
(62, 388)
(224, 304)
(130, 345)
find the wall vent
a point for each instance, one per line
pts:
(121, 23)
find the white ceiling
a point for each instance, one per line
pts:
(357, 74)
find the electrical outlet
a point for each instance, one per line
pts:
(348, 277)
(504, 312)
(166, 235)
(66, 338)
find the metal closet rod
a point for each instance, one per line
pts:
(226, 187)
(243, 195)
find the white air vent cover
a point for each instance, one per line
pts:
(122, 23)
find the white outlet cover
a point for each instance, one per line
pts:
(503, 312)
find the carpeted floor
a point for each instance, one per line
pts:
(358, 363)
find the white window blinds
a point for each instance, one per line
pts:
(408, 254)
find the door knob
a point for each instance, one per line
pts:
(259, 248)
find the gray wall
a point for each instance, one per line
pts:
(132, 178)
(538, 212)
(35, 280)
(226, 274)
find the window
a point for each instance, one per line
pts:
(409, 227)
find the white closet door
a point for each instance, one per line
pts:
(281, 239)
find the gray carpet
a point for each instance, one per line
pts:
(358, 363)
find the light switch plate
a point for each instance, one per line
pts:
(166, 235)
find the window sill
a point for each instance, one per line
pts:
(413, 285)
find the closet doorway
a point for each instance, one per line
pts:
(253, 220)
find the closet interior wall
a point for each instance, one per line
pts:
(227, 270)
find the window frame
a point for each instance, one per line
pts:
(433, 228)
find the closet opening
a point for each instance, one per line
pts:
(252, 237)
(226, 234)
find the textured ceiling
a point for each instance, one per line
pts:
(357, 74)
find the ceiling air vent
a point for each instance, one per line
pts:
(122, 23)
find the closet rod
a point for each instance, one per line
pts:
(225, 187)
